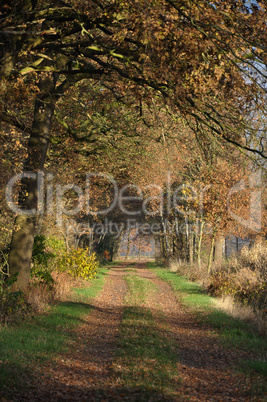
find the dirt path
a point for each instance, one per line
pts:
(205, 367)
(85, 374)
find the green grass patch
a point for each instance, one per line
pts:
(40, 338)
(153, 265)
(138, 290)
(146, 363)
(256, 366)
(95, 287)
(232, 331)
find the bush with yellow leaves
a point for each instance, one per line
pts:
(79, 263)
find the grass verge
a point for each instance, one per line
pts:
(96, 286)
(146, 361)
(232, 331)
(25, 345)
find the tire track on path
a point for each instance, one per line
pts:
(85, 373)
(206, 368)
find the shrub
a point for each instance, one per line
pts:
(44, 286)
(40, 295)
(244, 278)
(44, 254)
(78, 263)
(40, 274)
(191, 271)
(40, 254)
(55, 245)
(255, 258)
(62, 285)
(11, 303)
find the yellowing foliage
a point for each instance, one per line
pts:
(78, 263)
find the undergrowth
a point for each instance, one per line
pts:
(242, 277)
(52, 273)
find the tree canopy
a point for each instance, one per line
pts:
(207, 60)
(201, 63)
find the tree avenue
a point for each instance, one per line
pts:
(204, 61)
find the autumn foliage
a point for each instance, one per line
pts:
(78, 263)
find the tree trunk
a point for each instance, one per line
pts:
(211, 252)
(200, 236)
(128, 246)
(218, 255)
(116, 248)
(175, 246)
(191, 248)
(165, 238)
(162, 246)
(24, 228)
